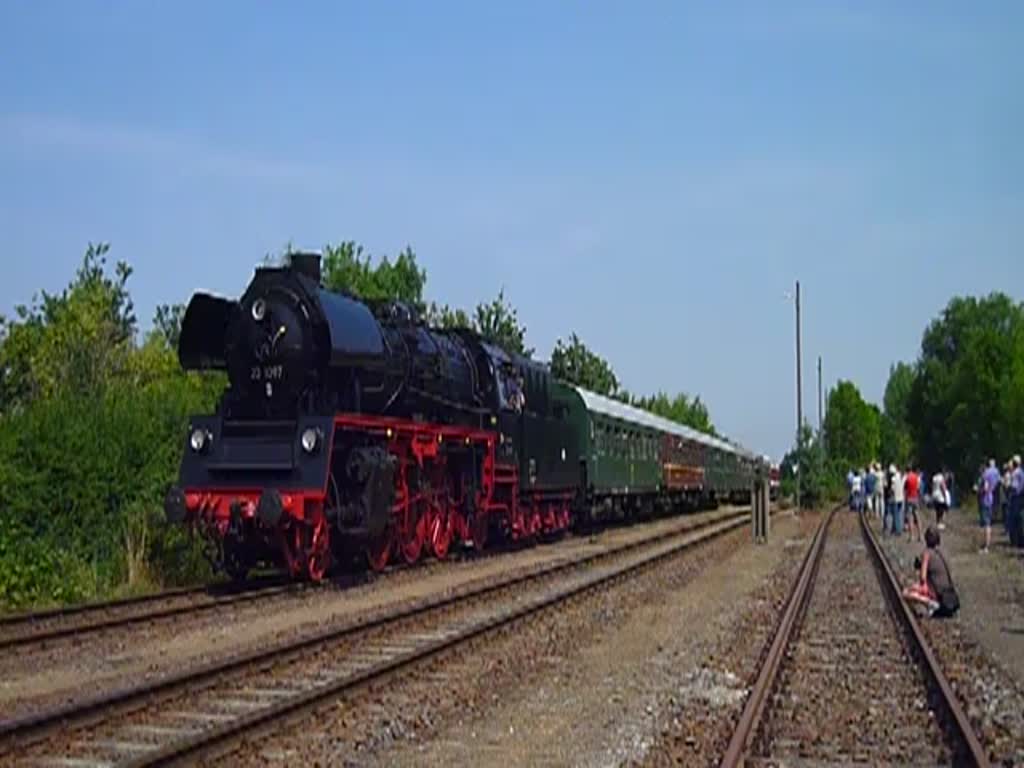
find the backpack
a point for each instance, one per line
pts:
(949, 600)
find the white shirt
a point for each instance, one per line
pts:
(939, 492)
(897, 488)
(857, 483)
(879, 483)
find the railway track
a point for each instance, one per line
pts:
(42, 628)
(849, 677)
(204, 712)
(31, 629)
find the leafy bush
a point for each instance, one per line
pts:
(91, 431)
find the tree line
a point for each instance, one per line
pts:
(93, 413)
(958, 404)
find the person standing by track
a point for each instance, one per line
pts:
(858, 491)
(897, 500)
(1016, 502)
(870, 481)
(1004, 495)
(986, 500)
(879, 500)
(889, 516)
(912, 493)
(940, 499)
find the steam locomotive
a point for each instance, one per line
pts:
(350, 429)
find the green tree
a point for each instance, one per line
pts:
(575, 363)
(167, 323)
(79, 338)
(19, 341)
(346, 267)
(680, 409)
(896, 440)
(447, 317)
(965, 402)
(89, 442)
(852, 427)
(498, 321)
(806, 459)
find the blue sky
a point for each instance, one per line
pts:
(653, 176)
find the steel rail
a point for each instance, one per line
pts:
(233, 597)
(796, 604)
(11, 637)
(219, 739)
(970, 750)
(31, 728)
(29, 617)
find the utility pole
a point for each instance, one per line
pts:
(819, 396)
(799, 394)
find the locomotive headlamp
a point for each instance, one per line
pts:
(310, 439)
(199, 440)
(259, 310)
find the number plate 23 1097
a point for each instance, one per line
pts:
(266, 373)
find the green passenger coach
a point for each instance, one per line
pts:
(633, 461)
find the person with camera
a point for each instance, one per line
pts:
(934, 588)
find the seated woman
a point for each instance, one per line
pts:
(935, 587)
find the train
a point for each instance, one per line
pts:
(351, 431)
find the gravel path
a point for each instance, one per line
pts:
(982, 649)
(849, 691)
(613, 676)
(699, 725)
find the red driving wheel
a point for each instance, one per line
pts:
(413, 535)
(318, 553)
(378, 552)
(440, 531)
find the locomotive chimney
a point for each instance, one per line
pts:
(307, 264)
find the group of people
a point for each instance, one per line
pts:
(1005, 489)
(896, 497)
(934, 587)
